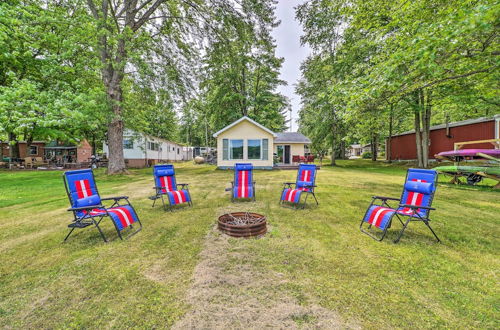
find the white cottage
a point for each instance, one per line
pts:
(247, 141)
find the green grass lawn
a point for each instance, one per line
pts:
(319, 251)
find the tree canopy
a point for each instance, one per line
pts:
(183, 69)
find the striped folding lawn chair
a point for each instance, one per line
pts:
(87, 207)
(243, 186)
(305, 184)
(166, 184)
(414, 205)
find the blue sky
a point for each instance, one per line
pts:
(287, 36)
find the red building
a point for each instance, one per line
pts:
(443, 137)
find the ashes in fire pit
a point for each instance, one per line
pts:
(243, 224)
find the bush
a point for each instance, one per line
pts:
(366, 155)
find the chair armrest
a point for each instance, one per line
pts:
(114, 198)
(183, 184)
(86, 208)
(415, 207)
(385, 198)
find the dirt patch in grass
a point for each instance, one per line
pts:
(229, 291)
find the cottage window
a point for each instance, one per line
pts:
(128, 144)
(33, 150)
(153, 146)
(254, 149)
(265, 149)
(236, 149)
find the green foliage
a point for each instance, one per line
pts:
(46, 78)
(366, 155)
(371, 57)
(240, 74)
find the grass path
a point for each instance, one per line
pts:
(313, 269)
(229, 291)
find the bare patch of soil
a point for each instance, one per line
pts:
(230, 292)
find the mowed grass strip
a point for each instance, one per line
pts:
(142, 282)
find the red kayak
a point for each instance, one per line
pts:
(475, 153)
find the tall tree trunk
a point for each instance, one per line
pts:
(418, 134)
(342, 149)
(13, 146)
(374, 146)
(388, 149)
(426, 122)
(94, 148)
(114, 62)
(333, 163)
(115, 129)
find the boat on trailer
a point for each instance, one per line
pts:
(475, 173)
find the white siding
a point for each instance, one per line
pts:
(167, 149)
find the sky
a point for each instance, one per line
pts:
(287, 36)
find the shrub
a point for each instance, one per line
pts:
(366, 155)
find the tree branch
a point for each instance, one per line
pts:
(140, 22)
(432, 83)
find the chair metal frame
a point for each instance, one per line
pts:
(85, 221)
(413, 216)
(288, 185)
(159, 194)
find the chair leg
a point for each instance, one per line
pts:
(429, 226)
(370, 234)
(314, 195)
(305, 202)
(163, 203)
(402, 230)
(99, 228)
(67, 236)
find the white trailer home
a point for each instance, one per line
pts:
(141, 150)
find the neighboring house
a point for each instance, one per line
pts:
(247, 141)
(141, 150)
(68, 153)
(443, 137)
(357, 150)
(354, 151)
(58, 152)
(36, 149)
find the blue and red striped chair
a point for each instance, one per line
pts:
(243, 186)
(414, 205)
(305, 183)
(87, 207)
(166, 184)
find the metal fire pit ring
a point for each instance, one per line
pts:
(243, 224)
